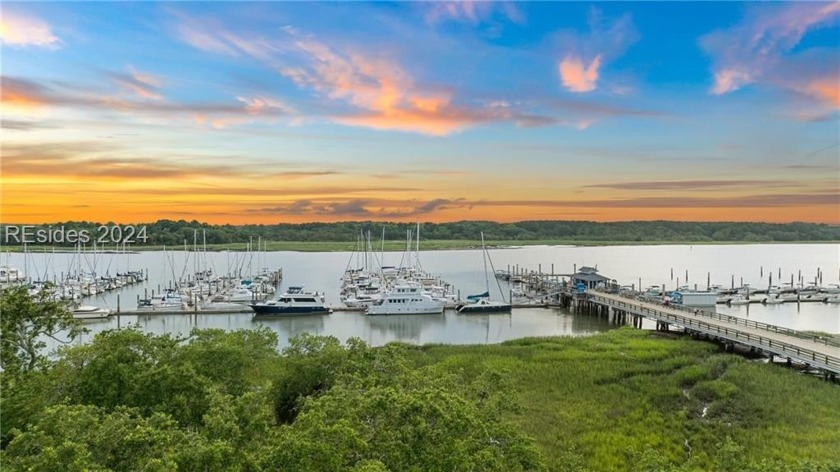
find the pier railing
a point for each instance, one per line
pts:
(803, 354)
(754, 324)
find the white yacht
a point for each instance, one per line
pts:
(11, 275)
(86, 312)
(241, 294)
(407, 300)
(294, 302)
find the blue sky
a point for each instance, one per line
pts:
(269, 111)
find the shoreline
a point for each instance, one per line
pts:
(396, 246)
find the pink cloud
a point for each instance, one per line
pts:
(604, 41)
(727, 80)
(756, 49)
(825, 89)
(18, 30)
(139, 83)
(385, 94)
(578, 77)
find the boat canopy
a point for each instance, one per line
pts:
(473, 298)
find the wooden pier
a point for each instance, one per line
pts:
(819, 353)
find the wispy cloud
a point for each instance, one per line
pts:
(385, 96)
(211, 35)
(584, 54)
(758, 49)
(780, 200)
(692, 185)
(141, 84)
(471, 11)
(22, 31)
(359, 207)
(25, 95)
(91, 160)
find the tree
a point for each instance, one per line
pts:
(26, 321)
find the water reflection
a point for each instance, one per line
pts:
(404, 327)
(291, 326)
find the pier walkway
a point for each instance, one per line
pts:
(814, 351)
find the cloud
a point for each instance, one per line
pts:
(90, 159)
(212, 36)
(21, 125)
(690, 185)
(471, 11)
(389, 208)
(781, 200)
(578, 77)
(584, 55)
(141, 84)
(24, 31)
(759, 50)
(26, 95)
(354, 208)
(384, 95)
(385, 208)
(825, 89)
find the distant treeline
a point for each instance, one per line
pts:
(173, 233)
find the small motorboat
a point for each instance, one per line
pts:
(87, 312)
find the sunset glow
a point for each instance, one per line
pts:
(291, 112)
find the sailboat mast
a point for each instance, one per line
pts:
(484, 256)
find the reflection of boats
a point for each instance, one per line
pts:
(294, 302)
(739, 301)
(406, 299)
(86, 312)
(481, 303)
(406, 327)
(291, 326)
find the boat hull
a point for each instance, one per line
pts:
(429, 309)
(485, 309)
(274, 310)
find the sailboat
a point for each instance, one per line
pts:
(481, 303)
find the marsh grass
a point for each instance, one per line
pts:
(593, 403)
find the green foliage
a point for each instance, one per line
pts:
(135, 401)
(24, 323)
(364, 408)
(711, 390)
(216, 401)
(174, 233)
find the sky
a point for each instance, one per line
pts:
(270, 112)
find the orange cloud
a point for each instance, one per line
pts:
(578, 77)
(827, 90)
(389, 96)
(16, 30)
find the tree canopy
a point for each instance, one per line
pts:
(175, 233)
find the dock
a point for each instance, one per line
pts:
(813, 351)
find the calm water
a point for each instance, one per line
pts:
(645, 265)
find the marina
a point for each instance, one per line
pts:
(535, 309)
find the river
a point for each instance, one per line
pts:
(637, 265)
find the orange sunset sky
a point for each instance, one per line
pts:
(291, 112)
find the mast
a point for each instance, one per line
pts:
(417, 251)
(484, 256)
